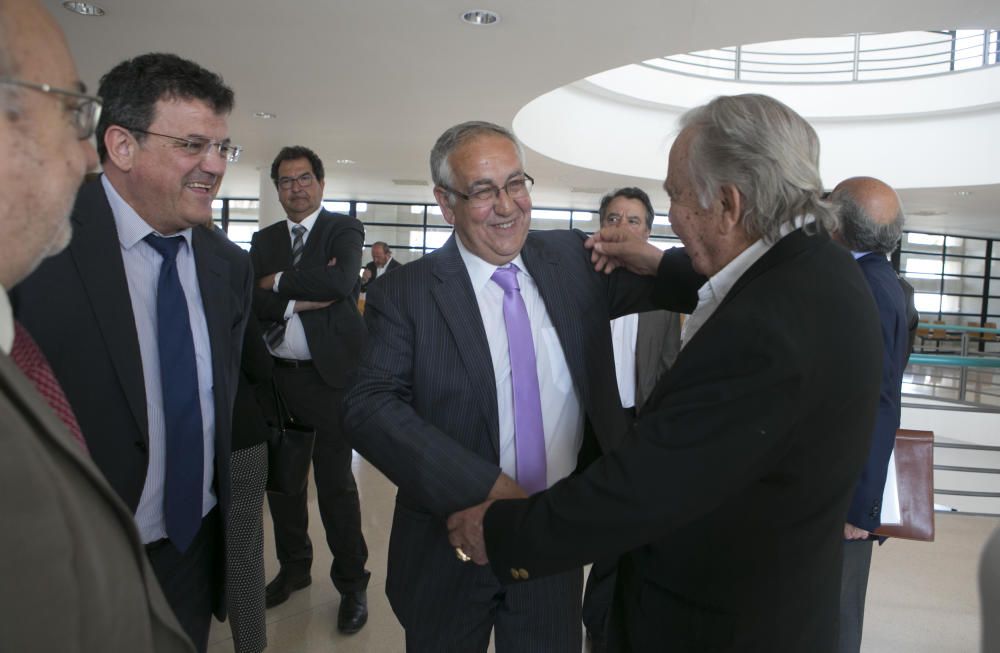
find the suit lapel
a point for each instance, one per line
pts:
(317, 237)
(213, 281)
(97, 255)
(543, 265)
(456, 301)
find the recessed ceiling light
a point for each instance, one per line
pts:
(480, 17)
(963, 193)
(264, 115)
(346, 162)
(83, 8)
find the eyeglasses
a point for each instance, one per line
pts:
(305, 180)
(198, 146)
(515, 189)
(86, 109)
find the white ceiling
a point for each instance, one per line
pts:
(376, 81)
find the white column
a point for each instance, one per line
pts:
(270, 208)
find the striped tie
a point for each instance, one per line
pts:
(275, 335)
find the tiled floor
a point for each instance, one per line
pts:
(922, 598)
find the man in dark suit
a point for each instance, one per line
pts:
(142, 318)
(645, 346)
(729, 501)
(437, 405)
(871, 224)
(75, 574)
(382, 262)
(306, 300)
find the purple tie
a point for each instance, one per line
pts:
(529, 435)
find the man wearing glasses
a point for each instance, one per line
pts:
(142, 318)
(306, 299)
(488, 373)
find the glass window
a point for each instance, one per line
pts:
(391, 213)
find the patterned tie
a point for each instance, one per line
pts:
(181, 405)
(30, 359)
(529, 434)
(275, 335)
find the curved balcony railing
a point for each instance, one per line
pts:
(850, 58)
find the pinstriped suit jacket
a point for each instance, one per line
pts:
(424, 407)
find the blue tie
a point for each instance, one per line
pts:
(181, 406)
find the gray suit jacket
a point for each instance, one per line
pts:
(424, 409)
(657, 342)
(75, 575)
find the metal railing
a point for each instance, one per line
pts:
(849, 58)
(963, 359)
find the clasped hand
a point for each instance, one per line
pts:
(465, 527)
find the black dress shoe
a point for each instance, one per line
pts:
(353, 613)
(279, 589)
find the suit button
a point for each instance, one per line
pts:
(523, 573)
(141, 446)
(514, 573)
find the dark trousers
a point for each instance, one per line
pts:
(191, 580)
(313, 402)
(541, 616)
(853, 587)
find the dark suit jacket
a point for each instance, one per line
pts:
(657, 342)
(730, 500)
(373, 269)
(866, 506)
(336, 333)
(69, 548)
(77, 307)
(255, 406)
(424, 409)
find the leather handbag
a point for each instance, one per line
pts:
(914, 455)
(289, 451)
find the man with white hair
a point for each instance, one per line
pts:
(729, 501)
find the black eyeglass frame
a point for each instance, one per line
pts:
(494, 189)
(286, 183)
(86, 113)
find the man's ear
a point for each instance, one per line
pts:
(121, 146)
(732, 207)
(441, 195)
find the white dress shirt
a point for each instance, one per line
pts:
(713, 291)
(379, 271)
(562, 414)
(294, 346)
(624, 331)
(142, 271)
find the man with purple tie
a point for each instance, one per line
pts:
(480, 380)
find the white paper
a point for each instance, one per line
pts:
(890, 494)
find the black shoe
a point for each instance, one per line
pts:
(353, 613)
(279, 589)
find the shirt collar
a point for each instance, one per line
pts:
(719, 285)
(858, 255)
(308, 222)
(480, 271)
(6, 322)
(130, 225)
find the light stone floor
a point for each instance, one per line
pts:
(922, 598)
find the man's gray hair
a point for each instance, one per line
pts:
(861, 232)
(441, 171)
(769, 152)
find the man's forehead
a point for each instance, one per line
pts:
(192, 114)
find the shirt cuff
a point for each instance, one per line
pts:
(290, 310)
(277, 280)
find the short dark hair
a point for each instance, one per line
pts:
(383, 245)
(131, 90)
(631, 193)
(293, 152)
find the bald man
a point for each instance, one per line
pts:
(871, 226)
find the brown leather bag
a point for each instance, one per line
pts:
(914, 453)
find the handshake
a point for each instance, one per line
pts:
(465, 528)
